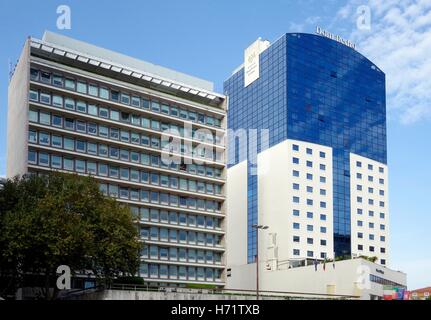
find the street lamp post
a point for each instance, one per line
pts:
(258, 227)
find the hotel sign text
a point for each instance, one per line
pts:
(332, 36)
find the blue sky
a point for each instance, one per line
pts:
(207, 38)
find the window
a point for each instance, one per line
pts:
(358, 164)
(103, 113)
(81, 87)
(45, 77)
(136, 102)
(296, 225)
(370, 167)
(43, 159)
(69, 124)
(92, 128)
(81, 126)
(57, 101)
(69, 84)
(45, 98)
(33, 116)
(32, 136)
(309, 176)
(57, 141)
(322, 154)
(295, 186)
(309, 151)
(295, 160)
(115, 115)
(80, 166)
(310, 215)
(104, 93)
(57, 121)
(34, 74)
(56, 161)
(125, 136)
(103, 131)
(125, 98)
(296, 252)
(81, 146)
(165, 109)
(32, 156)
(69, 104)
(92, 110)
(322, 229)
(103, 169)
(34, 95)
(93, 90)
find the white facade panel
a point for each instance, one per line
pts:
(369, 208)
(295, 202)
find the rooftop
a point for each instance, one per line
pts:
(83, 55)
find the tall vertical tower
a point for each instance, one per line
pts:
(318, 179)
(78, 108)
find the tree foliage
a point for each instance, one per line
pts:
(63, 219)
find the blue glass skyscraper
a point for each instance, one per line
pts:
(316, 90)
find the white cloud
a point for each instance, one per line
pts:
(399, 42)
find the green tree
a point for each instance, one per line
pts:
(62, 219)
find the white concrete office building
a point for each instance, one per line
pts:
(75, 107)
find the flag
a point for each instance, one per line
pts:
(315, 264)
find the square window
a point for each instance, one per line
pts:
(69, 84)
(104, 93)
(93, 90)
(81, 87)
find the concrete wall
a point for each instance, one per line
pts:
(143, 295)
(236, 219)
(349, 277)
(17, 130)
